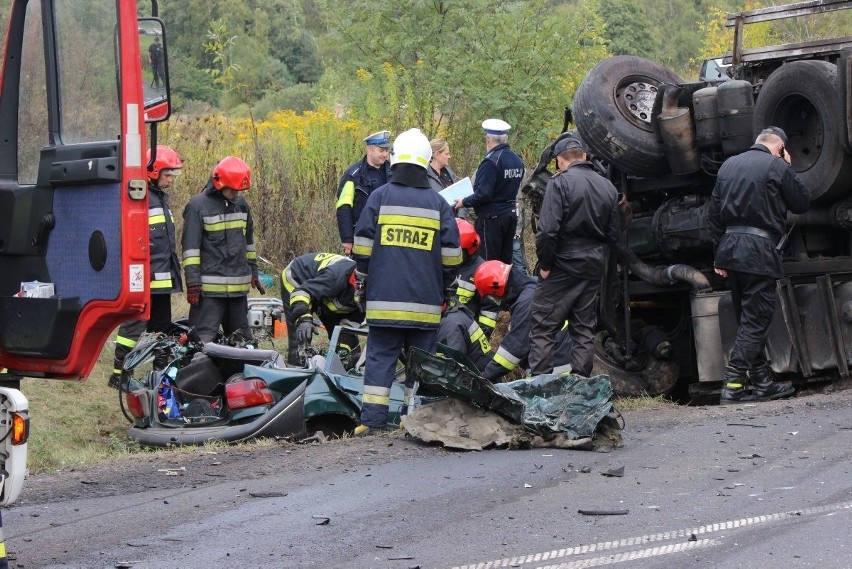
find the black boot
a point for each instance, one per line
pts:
(734, 388)
(765, 387)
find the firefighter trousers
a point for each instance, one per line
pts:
(229, 312)
(384, 347)
(131, 330)
(558, 298)
(754, 304)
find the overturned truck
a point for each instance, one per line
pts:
(667, 321)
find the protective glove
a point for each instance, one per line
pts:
(449, 300)
(305, 330)
(193, 294)
(255, 282)
(360, 294)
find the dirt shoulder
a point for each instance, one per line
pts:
(197, 467)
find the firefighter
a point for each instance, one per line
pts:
(219, 256)
(748, 211)
(321, 284)
(358, 182)
(514, 291)
(484, 310)
(459, 331)
(164, 265)
(407, 252)
(495, 193)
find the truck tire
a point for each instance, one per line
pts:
(613, 107)
(802, 97)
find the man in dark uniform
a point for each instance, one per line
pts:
(579, 216)
(748, 209)
(164, 266)
(495, 193)
(407, 242)
(358, 182)
(320, 283)
(158, 68)
(483, 310)
(219, 255)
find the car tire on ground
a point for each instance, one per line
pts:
(613, 110)
(802, 98)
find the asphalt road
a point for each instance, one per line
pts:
(766, 485)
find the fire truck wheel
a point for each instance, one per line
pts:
(613, 107)
(802, 97)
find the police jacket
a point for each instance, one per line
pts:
(318, 282)
(579, 214)
(515, 347)
(754, 190)
(435, 178)
(165, 266)
(459, 331)
(498, 178)
(218, 244)
(407, 242)
(352, 193)
(484, 309)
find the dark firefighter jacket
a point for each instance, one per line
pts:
(352, 193)
(407, 242)
(498, 178)
(579, 214)
(754, 190)
(165, 266)
(515, 346)
(459, 331)
(218, 244)
(318, 282)
(484, 309)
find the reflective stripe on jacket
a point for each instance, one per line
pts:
(164, 264)
(352, 192)
(515, 346)
(407, 242)
(218, 244)
(318, 282)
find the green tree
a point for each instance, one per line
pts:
(444, 66)
(627, 31)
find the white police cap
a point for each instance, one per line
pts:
(380, 139)
(495, 126)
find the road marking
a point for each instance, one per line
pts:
(651, 538)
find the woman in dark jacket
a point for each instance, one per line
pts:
(439, 172)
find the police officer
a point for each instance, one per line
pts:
(748, 209)
(495, 193)
(164, 264)
(579, 215)
(407, 252)
(483, 310)
(320, 283)
(358, 182)
(219, 256)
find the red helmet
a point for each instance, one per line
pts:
(468, 239)
(491, 277)
(232, 172)
(167, 159)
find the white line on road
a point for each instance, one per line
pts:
(631, 541)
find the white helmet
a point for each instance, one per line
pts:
(411, 147)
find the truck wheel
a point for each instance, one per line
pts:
(613, 107)
(802, 98)
(637, 377)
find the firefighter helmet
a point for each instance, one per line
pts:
(468, 238)
(166, 159)
(491, 277)
(232, 172)
(411, 147)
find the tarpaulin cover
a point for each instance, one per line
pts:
(570, 404)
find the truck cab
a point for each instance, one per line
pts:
(74, 104)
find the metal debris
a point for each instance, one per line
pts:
(267, 494)
(614, 472)
(603, 512)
